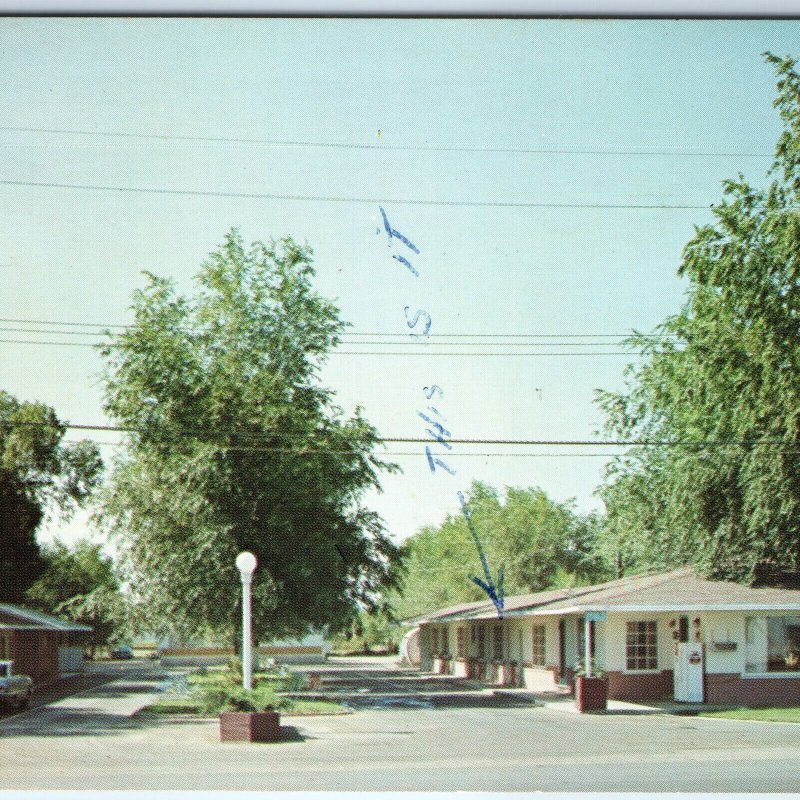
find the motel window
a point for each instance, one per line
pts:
(434, 641)
(538, 645)
(444, 643)
(640, 645)
(461, 642)
(497, 643)
(772, 644)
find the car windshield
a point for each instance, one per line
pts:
(5, 670)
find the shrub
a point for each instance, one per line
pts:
(295, 682)
(215, 698)
(235, 666)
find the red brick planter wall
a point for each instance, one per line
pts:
(640, 687)
(247, 726)
(732, 689)
(590, 694)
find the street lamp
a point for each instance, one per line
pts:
(246, 564)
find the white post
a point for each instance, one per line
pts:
(247, 635)
(587, 641)
(246, 563)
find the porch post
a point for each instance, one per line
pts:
(587, 642)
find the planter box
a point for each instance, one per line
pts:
(249, 726)
(591, 694)
(461, 669)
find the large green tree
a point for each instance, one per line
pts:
(539, 543)
(720, 383)
(80, 582)
(234, 445)
(39, 473)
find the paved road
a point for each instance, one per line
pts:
(446, 746)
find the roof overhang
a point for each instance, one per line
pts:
(653, 609)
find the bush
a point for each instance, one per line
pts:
(214, 698)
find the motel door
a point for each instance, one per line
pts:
(688, 673)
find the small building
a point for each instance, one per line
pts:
(672, 636)
(40, 645)
(312, 648)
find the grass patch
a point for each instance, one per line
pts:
(207, 692)
(173, 705)
(224, 677)
(756, 714)
(314, 708)
(178, 705)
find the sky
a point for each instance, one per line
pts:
(548, 172)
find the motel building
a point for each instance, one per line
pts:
(672, 636)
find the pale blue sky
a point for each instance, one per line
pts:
(645, 90)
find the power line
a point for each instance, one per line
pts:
(420, 440)
(98, 326)
(375, 352)
(338, 199)
(223, 140)
(399, 453)
(401, 339)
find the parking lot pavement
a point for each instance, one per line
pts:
(456, 745)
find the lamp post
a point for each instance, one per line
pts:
(246, 564)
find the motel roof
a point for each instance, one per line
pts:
(679, 590)
(18, 618)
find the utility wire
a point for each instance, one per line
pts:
(358, 333)
(400, 453)
(338, 199)
(376, 352)
(222, 140)
(401, 339)
(416, 440)
(354, 333)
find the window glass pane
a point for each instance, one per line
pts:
(641, 645)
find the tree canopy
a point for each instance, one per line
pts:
(39, 473)
(720, 383)
(80, 583)
(234, 445)
(539, 542)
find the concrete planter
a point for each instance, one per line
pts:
(461, 668)
(591, 694)
(249, 726)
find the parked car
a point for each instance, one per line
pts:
(122, 651)
(15, 690)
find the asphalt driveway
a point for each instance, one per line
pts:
(451, 740)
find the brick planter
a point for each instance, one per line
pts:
(249, 726)
(591, 694)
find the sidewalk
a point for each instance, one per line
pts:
(100, 710)
(566, 703)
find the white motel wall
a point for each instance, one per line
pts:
(651, 634)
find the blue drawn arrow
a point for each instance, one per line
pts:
(495, 594)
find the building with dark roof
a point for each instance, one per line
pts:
(40, 645)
